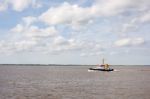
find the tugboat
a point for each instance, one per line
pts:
(103, 67)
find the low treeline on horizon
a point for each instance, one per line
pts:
(61, 65)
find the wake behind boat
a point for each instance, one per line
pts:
(103, 67)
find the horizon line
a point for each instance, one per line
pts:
(74, 64)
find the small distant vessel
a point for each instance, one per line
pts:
(103, 67)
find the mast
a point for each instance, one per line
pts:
(103, 61)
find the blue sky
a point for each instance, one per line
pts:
(75, 31)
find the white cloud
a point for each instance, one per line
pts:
(65, 13)
(24, 45)
(29, 20)
(89, 54)
(35, 32)
(134, 23)
(18, 28)
(145, 17)
(60, 41)
(129, 42)
(47, 38)
(109, 7)
(28, 37)
(138, 41)
(83, 54)
(138, 8)
(77, 16)
(123, 42)
(37, 3)
(3, 6)
(19, 5)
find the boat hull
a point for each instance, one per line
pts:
(101, 69)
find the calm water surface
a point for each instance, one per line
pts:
(74, 82)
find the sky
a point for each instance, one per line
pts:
(75, 32)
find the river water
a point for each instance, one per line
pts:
(74, 82)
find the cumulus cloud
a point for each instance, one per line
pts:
(69, 14)
(19, 5)
(33, 32)
(129, 42)
(109, 7)
(45, 40)
(28, 35)
(24, 45)
(135, 22)
(27, 29)
(72, 14)
(65, 13)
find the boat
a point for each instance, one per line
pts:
(103, 67)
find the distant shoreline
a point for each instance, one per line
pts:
(61, 65)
